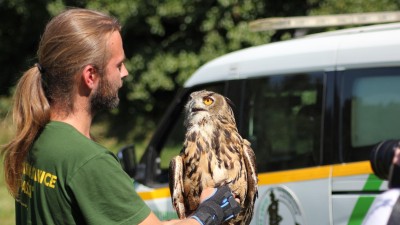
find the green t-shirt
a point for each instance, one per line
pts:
(70, 179)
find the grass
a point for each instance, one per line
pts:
(7, 212)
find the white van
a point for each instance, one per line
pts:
(312, 108)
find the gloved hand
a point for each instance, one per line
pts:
(218, 208)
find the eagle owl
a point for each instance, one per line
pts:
(214, 154)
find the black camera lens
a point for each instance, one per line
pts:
(382, 157)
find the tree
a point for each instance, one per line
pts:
(165, 41)
(19, 36)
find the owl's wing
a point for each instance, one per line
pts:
(252, 180)
(176, 185)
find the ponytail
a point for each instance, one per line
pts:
(31, 112)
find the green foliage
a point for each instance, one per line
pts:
(5, 106)
(165, 41)
(19, 36)
(355, 6)
(7, 214)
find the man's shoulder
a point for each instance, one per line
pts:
(60, 140)
(58, 133)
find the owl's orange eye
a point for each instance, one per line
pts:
(208, 101)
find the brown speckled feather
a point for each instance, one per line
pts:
(214, 154)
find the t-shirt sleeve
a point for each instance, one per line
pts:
(105, 194)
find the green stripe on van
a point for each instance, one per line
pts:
(360, 210)
(363, 203)
(373, 183)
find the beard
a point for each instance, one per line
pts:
(105, 96)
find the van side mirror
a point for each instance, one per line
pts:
(127, 158)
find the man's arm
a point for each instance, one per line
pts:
(153, 220)
(207, 194)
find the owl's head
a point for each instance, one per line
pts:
(204, 106)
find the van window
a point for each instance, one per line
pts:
(371, 103)
(284, 120)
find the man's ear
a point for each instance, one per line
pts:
(90, 76)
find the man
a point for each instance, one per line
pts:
(54, 170)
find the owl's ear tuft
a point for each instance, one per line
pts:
(230, 103)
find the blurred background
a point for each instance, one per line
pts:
(165, 41)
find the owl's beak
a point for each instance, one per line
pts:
(197, 110)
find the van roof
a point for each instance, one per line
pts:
(363, 47)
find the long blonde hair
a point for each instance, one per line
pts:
(71, 40)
